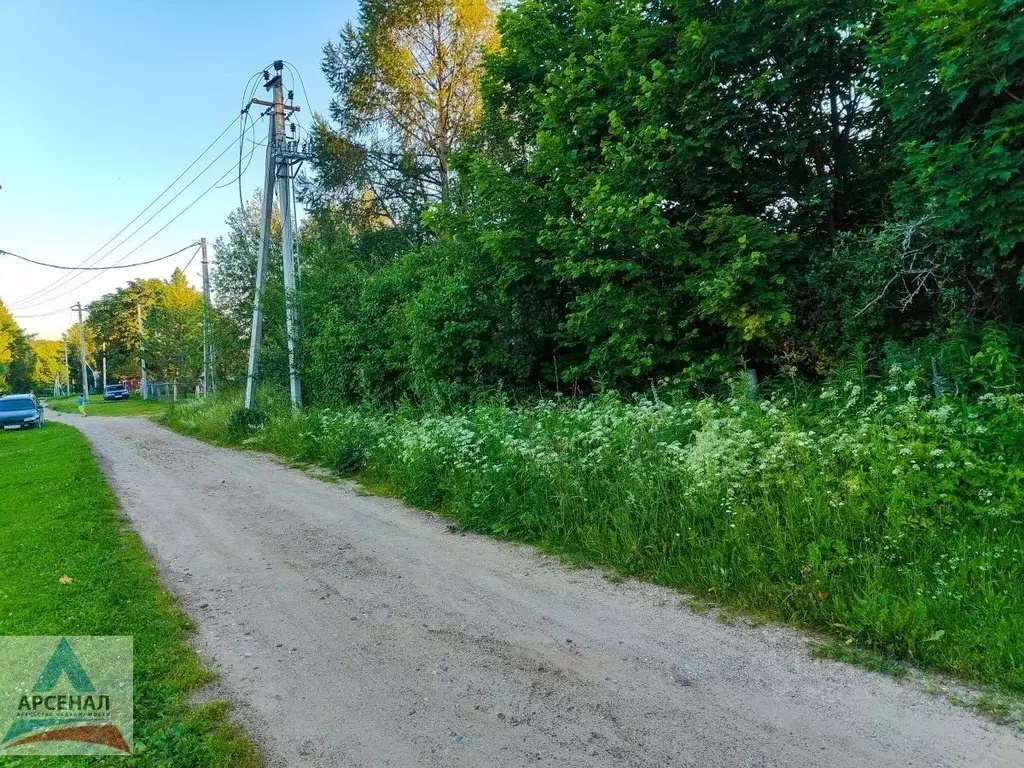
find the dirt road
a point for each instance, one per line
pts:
(352, 631)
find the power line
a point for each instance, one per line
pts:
(295, 70)
(309, 105)
(89, 263)
(166, 189)
(255, 144)
(44, 314)
(246, 104)
(176, 217)
(94, 269)
(164, 207)
(137, 229)
(247, 92)
(199, 248)
(247, 120)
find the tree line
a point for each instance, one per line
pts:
(160, 320)
(171, 314)
(577, 194)
(574, 195)
(16, 356)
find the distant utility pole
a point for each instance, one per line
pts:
(67, 367)
(142, 354)
(104, 367)
(209, 383)
(81, 349)
(283, 159)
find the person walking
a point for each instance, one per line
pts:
(81, 405)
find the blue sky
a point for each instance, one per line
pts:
(107, 102)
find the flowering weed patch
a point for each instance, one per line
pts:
(882, 515)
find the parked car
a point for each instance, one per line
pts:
(20, 412)
(116, 392)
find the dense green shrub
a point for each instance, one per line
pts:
(243, 422)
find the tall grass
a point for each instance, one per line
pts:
(885, 516)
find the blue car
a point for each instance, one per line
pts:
(20, 412)
(116, 392)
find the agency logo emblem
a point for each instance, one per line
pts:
(65, 695)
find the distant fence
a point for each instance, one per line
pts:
(166, 391)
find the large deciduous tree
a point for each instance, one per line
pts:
(49, 364)
(953, 80)
(114, 322)
(174, 332)
(406, 83)
(950, 252)
(675, 164)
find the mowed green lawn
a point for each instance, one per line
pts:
(59, 518)
(134, 406)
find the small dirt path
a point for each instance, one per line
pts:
(352, 631)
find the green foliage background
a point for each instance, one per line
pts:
(673, 190)
(580, 195)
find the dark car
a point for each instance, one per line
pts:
(116, 392)
(20, 412)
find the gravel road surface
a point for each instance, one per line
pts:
(353, 631)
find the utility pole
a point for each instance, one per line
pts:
(104, 367)
(67, 368)
(208, 376)
(143, 386)
(283, 159)
(261, 271)
(81, 349)
(284, 196)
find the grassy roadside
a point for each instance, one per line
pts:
(60, 518)
(97, 406)
(888, 519)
